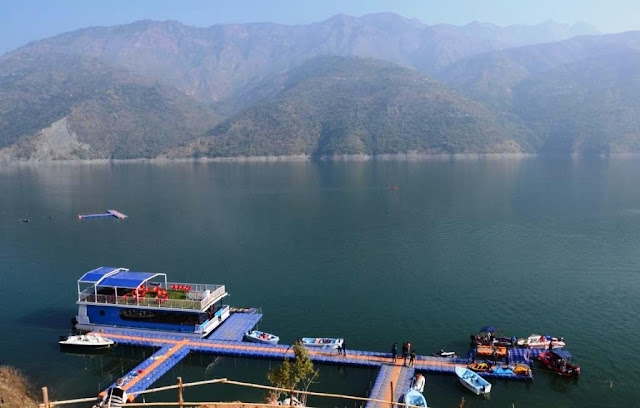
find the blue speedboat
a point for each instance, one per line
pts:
(415, 397)
(473, 381)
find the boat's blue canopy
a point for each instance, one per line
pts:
(561, 353)
(98, 274)
(128, 279)
(105, 276)
(488, 329)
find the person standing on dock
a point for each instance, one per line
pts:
(404, 353)
(394, 352)
(412, 360)
(344, 348)
(115, 397)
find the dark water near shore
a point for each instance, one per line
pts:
(531, 245)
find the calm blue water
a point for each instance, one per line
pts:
(532, 246)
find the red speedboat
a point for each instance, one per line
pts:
(560, 361)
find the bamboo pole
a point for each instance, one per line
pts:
(392, 399)
(184, 385)
(180, 399)
(45, 397)
(226, 381)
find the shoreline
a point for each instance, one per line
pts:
(286, 158)
(408, 157)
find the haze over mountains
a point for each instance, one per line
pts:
(375, 84)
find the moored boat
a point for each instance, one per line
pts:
(560, 361)
(322, 342)
(539, 342)
(473, 381)
(118, 297)
(91, 341)
(415, 398)
(445, 354)
(256, 336)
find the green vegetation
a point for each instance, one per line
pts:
(337, 105)
(576, 96)
(291, 374)
(117, 114)
(102, 93)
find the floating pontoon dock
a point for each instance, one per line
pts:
(226, 340)
(109, 213)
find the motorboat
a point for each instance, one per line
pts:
(445, 354)
(473, 381)
(91, 340)
(322, 342)
(487, 336)
(415, 398)
(257, 336)
(540, 342)
(560, 361)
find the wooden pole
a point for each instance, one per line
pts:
(45, 397)
(180, 399)
(392, 399)
(291, 397)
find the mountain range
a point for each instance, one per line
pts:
(375, 84)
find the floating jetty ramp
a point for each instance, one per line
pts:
(109, 213)
(226, 340)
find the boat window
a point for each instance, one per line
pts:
(160, 316)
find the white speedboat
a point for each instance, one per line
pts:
(90, 340)
(257, 336)
(322, 342)
(540, 342)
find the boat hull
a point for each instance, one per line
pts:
(87, 342)
(568, 370)
(94, 318)
(472, 381)
(415, 397)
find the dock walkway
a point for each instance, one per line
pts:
(226, 341)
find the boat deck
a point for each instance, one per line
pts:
(224, 341)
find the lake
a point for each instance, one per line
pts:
(533, 245)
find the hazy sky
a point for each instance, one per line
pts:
(22, 21)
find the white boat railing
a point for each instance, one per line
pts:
(199, 297)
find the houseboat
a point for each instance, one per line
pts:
(118, 297)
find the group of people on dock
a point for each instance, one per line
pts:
(406, 353)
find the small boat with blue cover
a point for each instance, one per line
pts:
(473, 381)
(256, 336)
(415, 398)
(322, 342)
